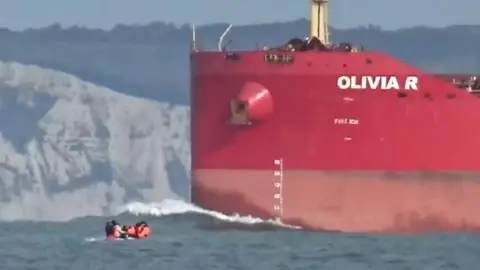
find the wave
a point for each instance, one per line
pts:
(178, 211)
(171, 207)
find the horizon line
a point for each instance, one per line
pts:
(202, 25)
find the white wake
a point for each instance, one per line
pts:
(175, 207)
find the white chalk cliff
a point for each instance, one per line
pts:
(69, 148)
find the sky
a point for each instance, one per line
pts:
(389, 14)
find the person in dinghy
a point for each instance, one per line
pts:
(113, 230)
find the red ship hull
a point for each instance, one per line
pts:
(327, 141)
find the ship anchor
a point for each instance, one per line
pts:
(253, 103)
(239, 115)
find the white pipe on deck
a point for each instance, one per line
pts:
(319, 20)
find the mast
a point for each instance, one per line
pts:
(319, 23)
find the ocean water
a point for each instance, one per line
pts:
(185, 237)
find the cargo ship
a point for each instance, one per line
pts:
(332, 137)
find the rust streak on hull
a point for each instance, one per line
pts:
(376, 202)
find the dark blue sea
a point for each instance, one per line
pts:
(185, 237)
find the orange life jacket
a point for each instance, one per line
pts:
(143, 231)
(131, 231)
